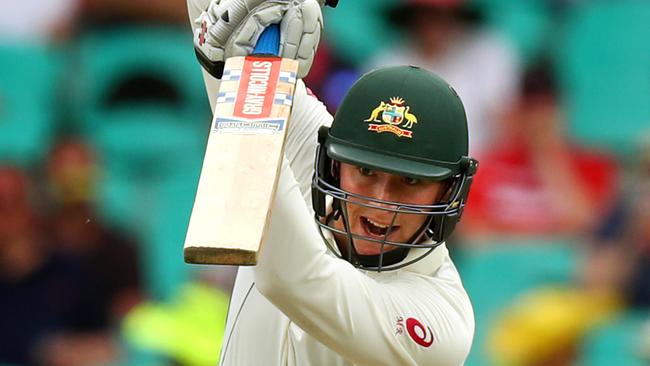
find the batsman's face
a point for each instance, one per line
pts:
(375, 222)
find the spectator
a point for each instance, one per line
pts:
(109, 257)
(40, 291)
(619, 260)
(37, 20)
(67, 306)
(547, 325)
(445, 37)
(537, 181)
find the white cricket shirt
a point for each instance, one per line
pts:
(301, 306)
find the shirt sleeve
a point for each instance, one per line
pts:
(307, 116)
(368, 321)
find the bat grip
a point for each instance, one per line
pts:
(269, 41)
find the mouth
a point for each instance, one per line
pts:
(376, 229)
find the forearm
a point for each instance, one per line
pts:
(574, 211)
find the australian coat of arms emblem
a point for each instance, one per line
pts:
(391, 115)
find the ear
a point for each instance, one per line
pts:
(447, 190)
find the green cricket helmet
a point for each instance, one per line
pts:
(405, 121)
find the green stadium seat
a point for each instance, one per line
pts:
(151, 164)
(152, 139)
(617, 342)
(605, 72)
(525, 23)
(495, 273)
(151, 149)
(156, 210)
(168, 218)
(371, 32)
(139, 148)
(29, 76)
(140, 141)
(108, 57)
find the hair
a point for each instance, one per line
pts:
(401, 15)
(539, 80)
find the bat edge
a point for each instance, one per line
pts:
(220, 256)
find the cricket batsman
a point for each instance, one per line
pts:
(354, 268)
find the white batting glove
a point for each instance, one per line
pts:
(226, 28)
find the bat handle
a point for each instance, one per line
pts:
(269, 41)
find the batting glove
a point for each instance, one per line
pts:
(226, 28)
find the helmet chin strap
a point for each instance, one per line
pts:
(388, 258)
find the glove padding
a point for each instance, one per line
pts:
(229, 28)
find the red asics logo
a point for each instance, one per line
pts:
(421, 335)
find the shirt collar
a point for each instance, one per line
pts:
(430, 263)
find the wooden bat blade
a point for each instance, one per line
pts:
(242, 161)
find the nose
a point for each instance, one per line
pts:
(386, 190)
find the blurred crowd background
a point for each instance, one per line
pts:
(103, 124)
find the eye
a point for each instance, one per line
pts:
(366, 172)
(411, 181)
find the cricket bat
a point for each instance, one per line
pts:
(243, 156)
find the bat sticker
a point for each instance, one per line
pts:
(238, 126)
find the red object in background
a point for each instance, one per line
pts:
(16, 214)
(508, 196)
(13, 188)
(320, 68)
